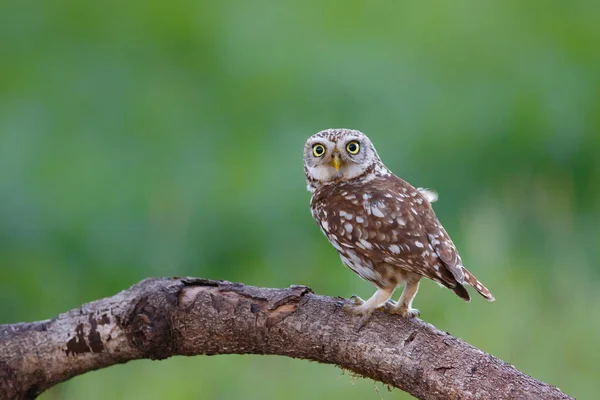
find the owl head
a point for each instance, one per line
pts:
(338, 155)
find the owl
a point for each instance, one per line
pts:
(383, 228)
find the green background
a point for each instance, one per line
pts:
(165, 138)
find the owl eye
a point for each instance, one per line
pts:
(318, 150)
(353, 147)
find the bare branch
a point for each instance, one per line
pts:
(162, 317)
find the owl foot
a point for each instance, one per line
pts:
(407, 312)
(354, 309)
(365, 315)
(388, 306)
(357, 308)
(377, 302)
(355, 302)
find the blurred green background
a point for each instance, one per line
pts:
(165, 138)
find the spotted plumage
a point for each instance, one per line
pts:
(384, 229)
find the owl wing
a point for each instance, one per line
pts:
(444, 248)
(396, 225)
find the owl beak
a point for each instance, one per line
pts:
(336, 162)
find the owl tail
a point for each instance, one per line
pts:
(482, 290)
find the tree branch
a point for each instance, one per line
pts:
(163, 317)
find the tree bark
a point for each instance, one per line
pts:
(162, 317)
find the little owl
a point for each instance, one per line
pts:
(384, 229)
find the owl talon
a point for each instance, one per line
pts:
(364, 315)
(389, 306)
(360, 311)
(363, 321)
(407, 312)
(357, 301)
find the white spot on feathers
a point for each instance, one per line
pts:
(376, 211)
(366, 244)
(346, 215)
(394, 248)
(336, 245)
(430, 195)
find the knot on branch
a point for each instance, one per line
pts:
(149, 326)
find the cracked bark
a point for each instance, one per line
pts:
(162, 317)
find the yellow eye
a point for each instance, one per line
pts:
(353, 147)
(318, 150)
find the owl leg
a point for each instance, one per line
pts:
(404, 305)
